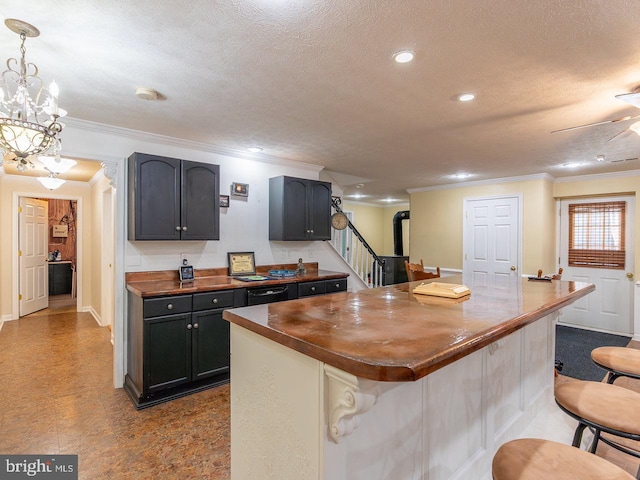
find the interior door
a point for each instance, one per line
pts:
(491, 240)
(609, 308)
(33, 242)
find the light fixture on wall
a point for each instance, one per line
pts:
(29, 112)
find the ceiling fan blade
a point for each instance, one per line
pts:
(630, 98)
(620, 133)
(615, 120)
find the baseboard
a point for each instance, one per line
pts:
(599, 330)
(94, 314)
(1, 324)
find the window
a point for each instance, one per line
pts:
(596, 235)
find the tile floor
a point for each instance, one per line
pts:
(57, 397)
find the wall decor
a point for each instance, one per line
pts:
(224, 201)
(241, 263)
(60, 231)
(240, 189)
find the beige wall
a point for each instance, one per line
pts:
(437, 221)
(375, 224)
(10, 185)
(97, 233)
(437, 218)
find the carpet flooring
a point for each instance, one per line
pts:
(573, 349)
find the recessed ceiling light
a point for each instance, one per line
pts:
(389, 200)
(460, 175)
(255, 149)
(404, 56)
(600, 158)
(466, 97)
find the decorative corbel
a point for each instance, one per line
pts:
(110, 171)
(349, 396)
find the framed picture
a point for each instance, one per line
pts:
(186, 273)
(224, 201)
(60, 230)
(241, 263)
(240, 189)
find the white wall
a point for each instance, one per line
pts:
(243, 226)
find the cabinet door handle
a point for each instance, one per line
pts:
(337, 285)
(313, 289)
(215, 300)
(195, 325)
(170, 306)
(178, 228)
(189, 326)
(184, 229)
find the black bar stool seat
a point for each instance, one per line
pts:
(534, 459)
(619, 361)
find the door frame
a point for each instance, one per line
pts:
(631, 223)
(465, 228)
(15, 227)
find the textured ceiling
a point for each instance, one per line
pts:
(313, 81)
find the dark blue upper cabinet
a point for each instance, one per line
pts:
(299, 209)
(172, 199)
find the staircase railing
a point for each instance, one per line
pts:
(355, 250)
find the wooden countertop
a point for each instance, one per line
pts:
(154, 284)
(391, 334)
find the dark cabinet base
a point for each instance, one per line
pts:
(144, 401)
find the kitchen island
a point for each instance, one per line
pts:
(387, 384)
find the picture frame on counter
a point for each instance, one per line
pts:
(241, 263)
(224, 201)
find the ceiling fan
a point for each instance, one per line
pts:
(632, 98)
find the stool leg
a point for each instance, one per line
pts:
(596, 438)
(638, 474)
(577, 437)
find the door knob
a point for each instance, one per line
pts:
(629, 275)
(178, 228)
(513, 268)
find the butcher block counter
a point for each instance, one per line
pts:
(177, 340)
(153, 284)
(388, 384)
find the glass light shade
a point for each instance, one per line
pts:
(24, 138)
(51, 182)
(56, 164)
(635, 128)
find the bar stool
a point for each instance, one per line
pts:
(535, 459)
(618, 361)
(605, 409)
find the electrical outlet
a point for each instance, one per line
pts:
(183, 257)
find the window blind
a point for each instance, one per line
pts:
(596, 235)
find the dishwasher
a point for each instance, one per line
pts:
(262, 295)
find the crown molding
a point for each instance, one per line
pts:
(598, 176)
(189, 144)
(524, 178)
(367, 204)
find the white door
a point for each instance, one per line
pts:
(609, 308)
(33, 239)
(491, 240)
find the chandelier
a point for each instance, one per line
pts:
(29, 112)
